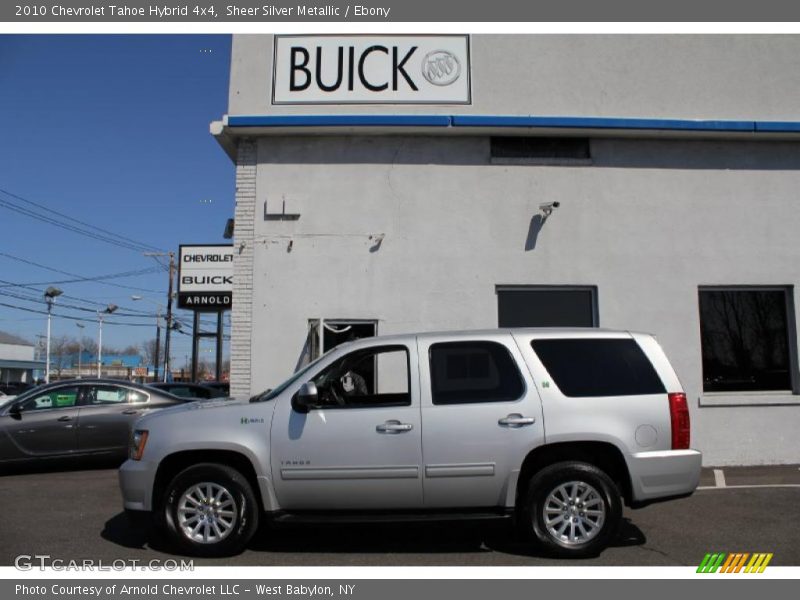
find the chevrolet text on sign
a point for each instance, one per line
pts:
(205, 279)
(358, 69)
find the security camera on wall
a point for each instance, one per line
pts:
(548, 208)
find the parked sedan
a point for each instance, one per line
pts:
(190, 391)
(81, 417)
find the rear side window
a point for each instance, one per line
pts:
(469, 372)
(598, 367)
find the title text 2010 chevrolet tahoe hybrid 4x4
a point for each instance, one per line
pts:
(555, 427)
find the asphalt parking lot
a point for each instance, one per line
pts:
(76, 515)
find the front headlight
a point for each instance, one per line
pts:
(138, 440)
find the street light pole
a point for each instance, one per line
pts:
(50, 295)
(106, 311)
(80, 327)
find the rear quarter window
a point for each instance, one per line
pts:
(474, 371)
(598, 367)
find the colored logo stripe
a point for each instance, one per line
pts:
(711, 563)
(758, 563)
(733, 563)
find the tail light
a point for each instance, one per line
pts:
(679, 418)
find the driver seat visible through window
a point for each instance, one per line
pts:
(365, 378)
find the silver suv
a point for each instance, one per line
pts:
(553, 427)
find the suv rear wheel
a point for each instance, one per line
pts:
(573, 509)
(210, 510)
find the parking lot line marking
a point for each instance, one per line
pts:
(740, 487)
(719, 478)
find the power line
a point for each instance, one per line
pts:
(97, 278)
(84, 229)
(105, 321)
(125, 312)
(84, 300)
(37, 300)
(51, 221)
(54, 270)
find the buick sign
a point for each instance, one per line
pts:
(205, 277)
(359, 69)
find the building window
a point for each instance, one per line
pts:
(542, 150)
(326, 334)
(598, 367)
(547, 306)
(745, 337)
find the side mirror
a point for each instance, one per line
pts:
(14, 412)
(305, 398)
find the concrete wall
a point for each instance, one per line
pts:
(647, 222)
(16, 352)
(657, 76)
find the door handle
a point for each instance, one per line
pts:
(394, 426)
(516, 420)
(131, 411)
(65, 418)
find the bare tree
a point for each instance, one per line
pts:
(148, 350)
(60, 349)
(131, 350)
(205, 370)
(89, 345)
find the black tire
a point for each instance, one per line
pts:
(603, 495)
(238, 503)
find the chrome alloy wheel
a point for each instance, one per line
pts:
(574, 513)
(206, 513)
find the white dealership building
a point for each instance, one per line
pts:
(395, 183)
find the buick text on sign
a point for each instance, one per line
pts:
(205, 277)
(359, 69)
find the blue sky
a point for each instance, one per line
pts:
(111, 131)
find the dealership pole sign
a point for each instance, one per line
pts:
(371, 69)
(205, 277)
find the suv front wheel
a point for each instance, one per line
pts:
(210, 510)
(573, 509)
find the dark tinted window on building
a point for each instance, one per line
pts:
(467, 372)
(745, 339)
(542, 307)
(598, 367)
(541, 147)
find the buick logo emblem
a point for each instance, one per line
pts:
(440, 67)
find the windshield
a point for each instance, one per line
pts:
(270, 394)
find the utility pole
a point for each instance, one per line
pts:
(158, 333)
(50, 296)
(80, 346)
(106, 311)
(157, 358)
(168, 333)
(168, 316)
(39, 350)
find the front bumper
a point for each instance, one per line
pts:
(136, 484)
(664, 474)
